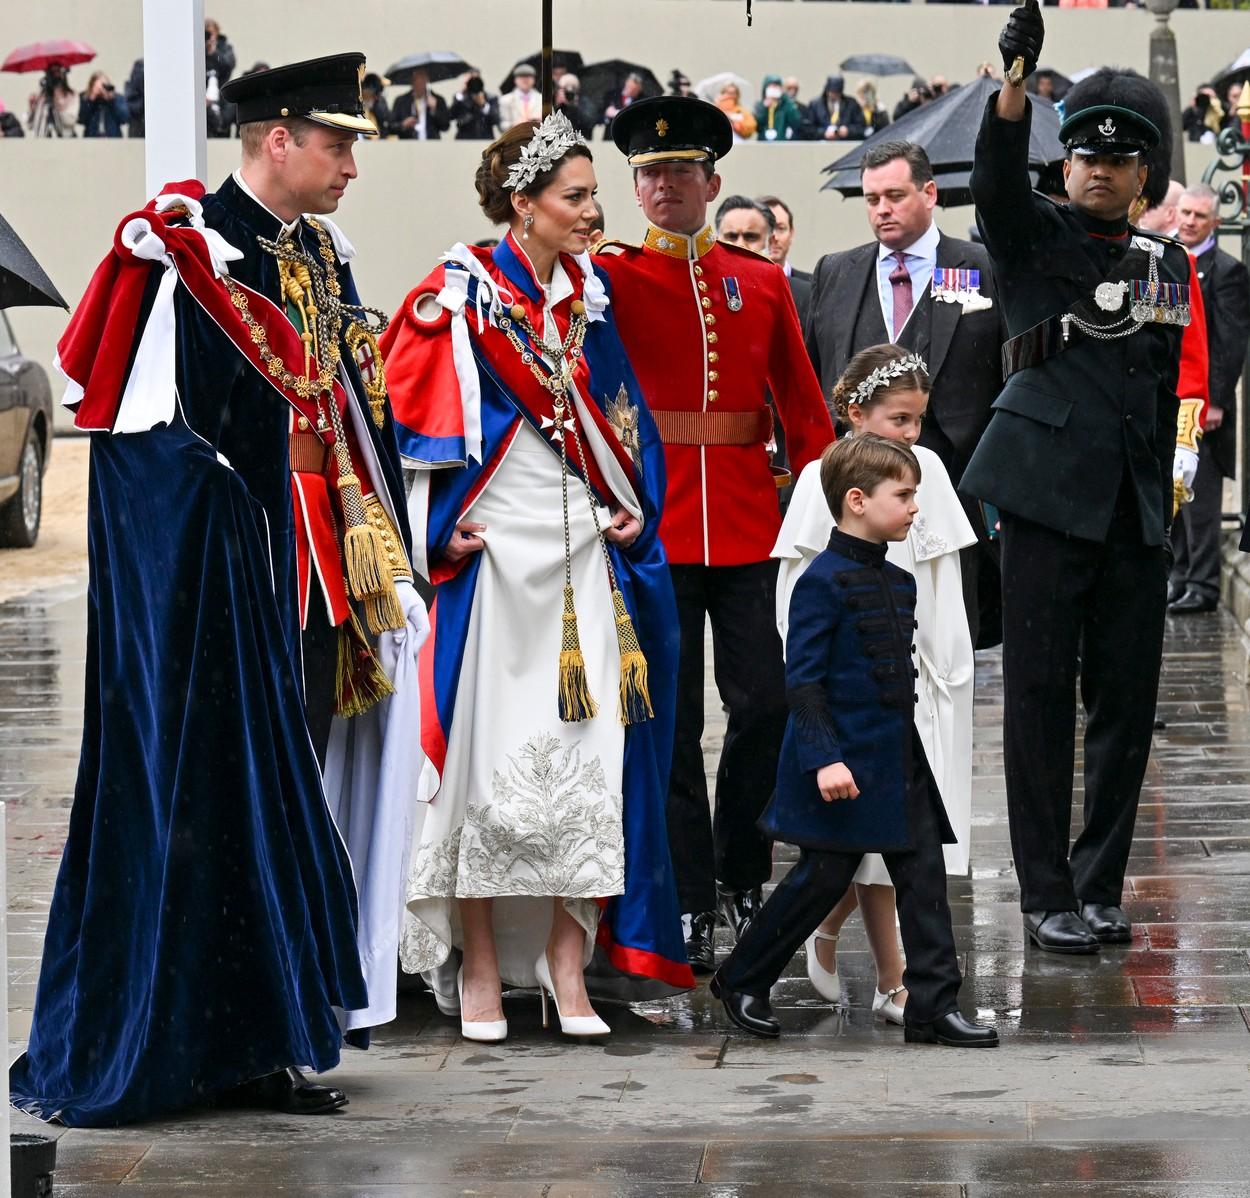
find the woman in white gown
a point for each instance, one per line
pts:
(885, 390)
(538, 486)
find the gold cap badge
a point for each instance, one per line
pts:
(661, 127)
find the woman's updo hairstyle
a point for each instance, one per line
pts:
(499, 158)
(862, 365)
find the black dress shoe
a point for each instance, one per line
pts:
(1193, 603)
(1108, 923)
(749, 1011)
(1175, 591)
(287, 1091)
(953, 1030)
(738, 908)
(701, 942)
(1059, 932)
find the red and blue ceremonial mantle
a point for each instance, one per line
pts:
(459, 392)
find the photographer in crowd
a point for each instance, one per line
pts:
(474, 111)
(53, 110)
(101, 111)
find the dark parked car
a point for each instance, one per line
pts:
(25, 440)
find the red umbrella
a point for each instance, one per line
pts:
(39, 56)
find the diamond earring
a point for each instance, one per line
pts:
(528, 224)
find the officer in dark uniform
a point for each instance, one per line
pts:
(1079, 459)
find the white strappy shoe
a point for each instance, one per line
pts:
(885, 1006)
(484, 1031)
(570, 1025)
(827, 985)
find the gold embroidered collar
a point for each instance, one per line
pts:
(678, 245)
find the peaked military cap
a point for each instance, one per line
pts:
(325, 90)
(1114, 112)
(672, 129)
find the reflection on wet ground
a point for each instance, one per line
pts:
(1123, 1074)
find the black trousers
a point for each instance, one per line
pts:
(1073, 605)
(806, 894)
(1196, 531)
(750, 676)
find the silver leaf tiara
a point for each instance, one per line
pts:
(911, 364)
(554, 138)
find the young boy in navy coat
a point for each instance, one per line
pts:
(853, 778)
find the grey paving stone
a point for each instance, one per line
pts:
(820, 1119)
(398, 1164)
(991, 1164)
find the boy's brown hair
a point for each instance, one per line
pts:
(863, 462)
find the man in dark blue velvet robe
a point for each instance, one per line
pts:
(202, 937)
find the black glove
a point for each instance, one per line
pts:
(1022, 37)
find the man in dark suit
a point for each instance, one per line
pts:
(420, 114)
(1195, 582)
(932, 294)
(779, 251)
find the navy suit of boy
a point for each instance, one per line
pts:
(849, 684)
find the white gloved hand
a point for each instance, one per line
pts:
(395, 643)
(1184, 467)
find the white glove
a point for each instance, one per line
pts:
(394, 644)
(1184, 467)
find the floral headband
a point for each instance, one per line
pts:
(912, 364)
(554, 138)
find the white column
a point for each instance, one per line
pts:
(173, 87)
(5, 1178)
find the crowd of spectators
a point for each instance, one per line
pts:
(426, 112)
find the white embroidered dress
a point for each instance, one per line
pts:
(944, 654)
(530, 807)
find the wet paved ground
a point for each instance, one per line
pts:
(1126, 1074)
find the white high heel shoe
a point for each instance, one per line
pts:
(827, 985)
(570, 1025)
(484, 1031)
(885, 1006)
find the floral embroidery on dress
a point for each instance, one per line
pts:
(928, 543)
(420, 948)
(551, 827)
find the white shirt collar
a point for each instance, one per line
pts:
(288, 227)
(925, 246)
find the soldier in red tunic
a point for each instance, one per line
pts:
(711, 328)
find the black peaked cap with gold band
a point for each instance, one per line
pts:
(672, 129)
(325, 90)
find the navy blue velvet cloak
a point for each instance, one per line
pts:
(202, 930)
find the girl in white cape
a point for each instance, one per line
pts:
(885, 390)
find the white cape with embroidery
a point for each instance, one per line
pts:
(943, 643)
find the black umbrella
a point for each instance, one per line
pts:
(23, 282)
(561, 61)
(877, 64)
(437, 64)
(947, 129)
(608, 77)
(1060, 83)
(1237, 71)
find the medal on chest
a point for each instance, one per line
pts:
(733, 293)
(955, 285)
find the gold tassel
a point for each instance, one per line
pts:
(576, 702)
(382, 611)
(635, 694)
(365, 554)
(360, 681)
